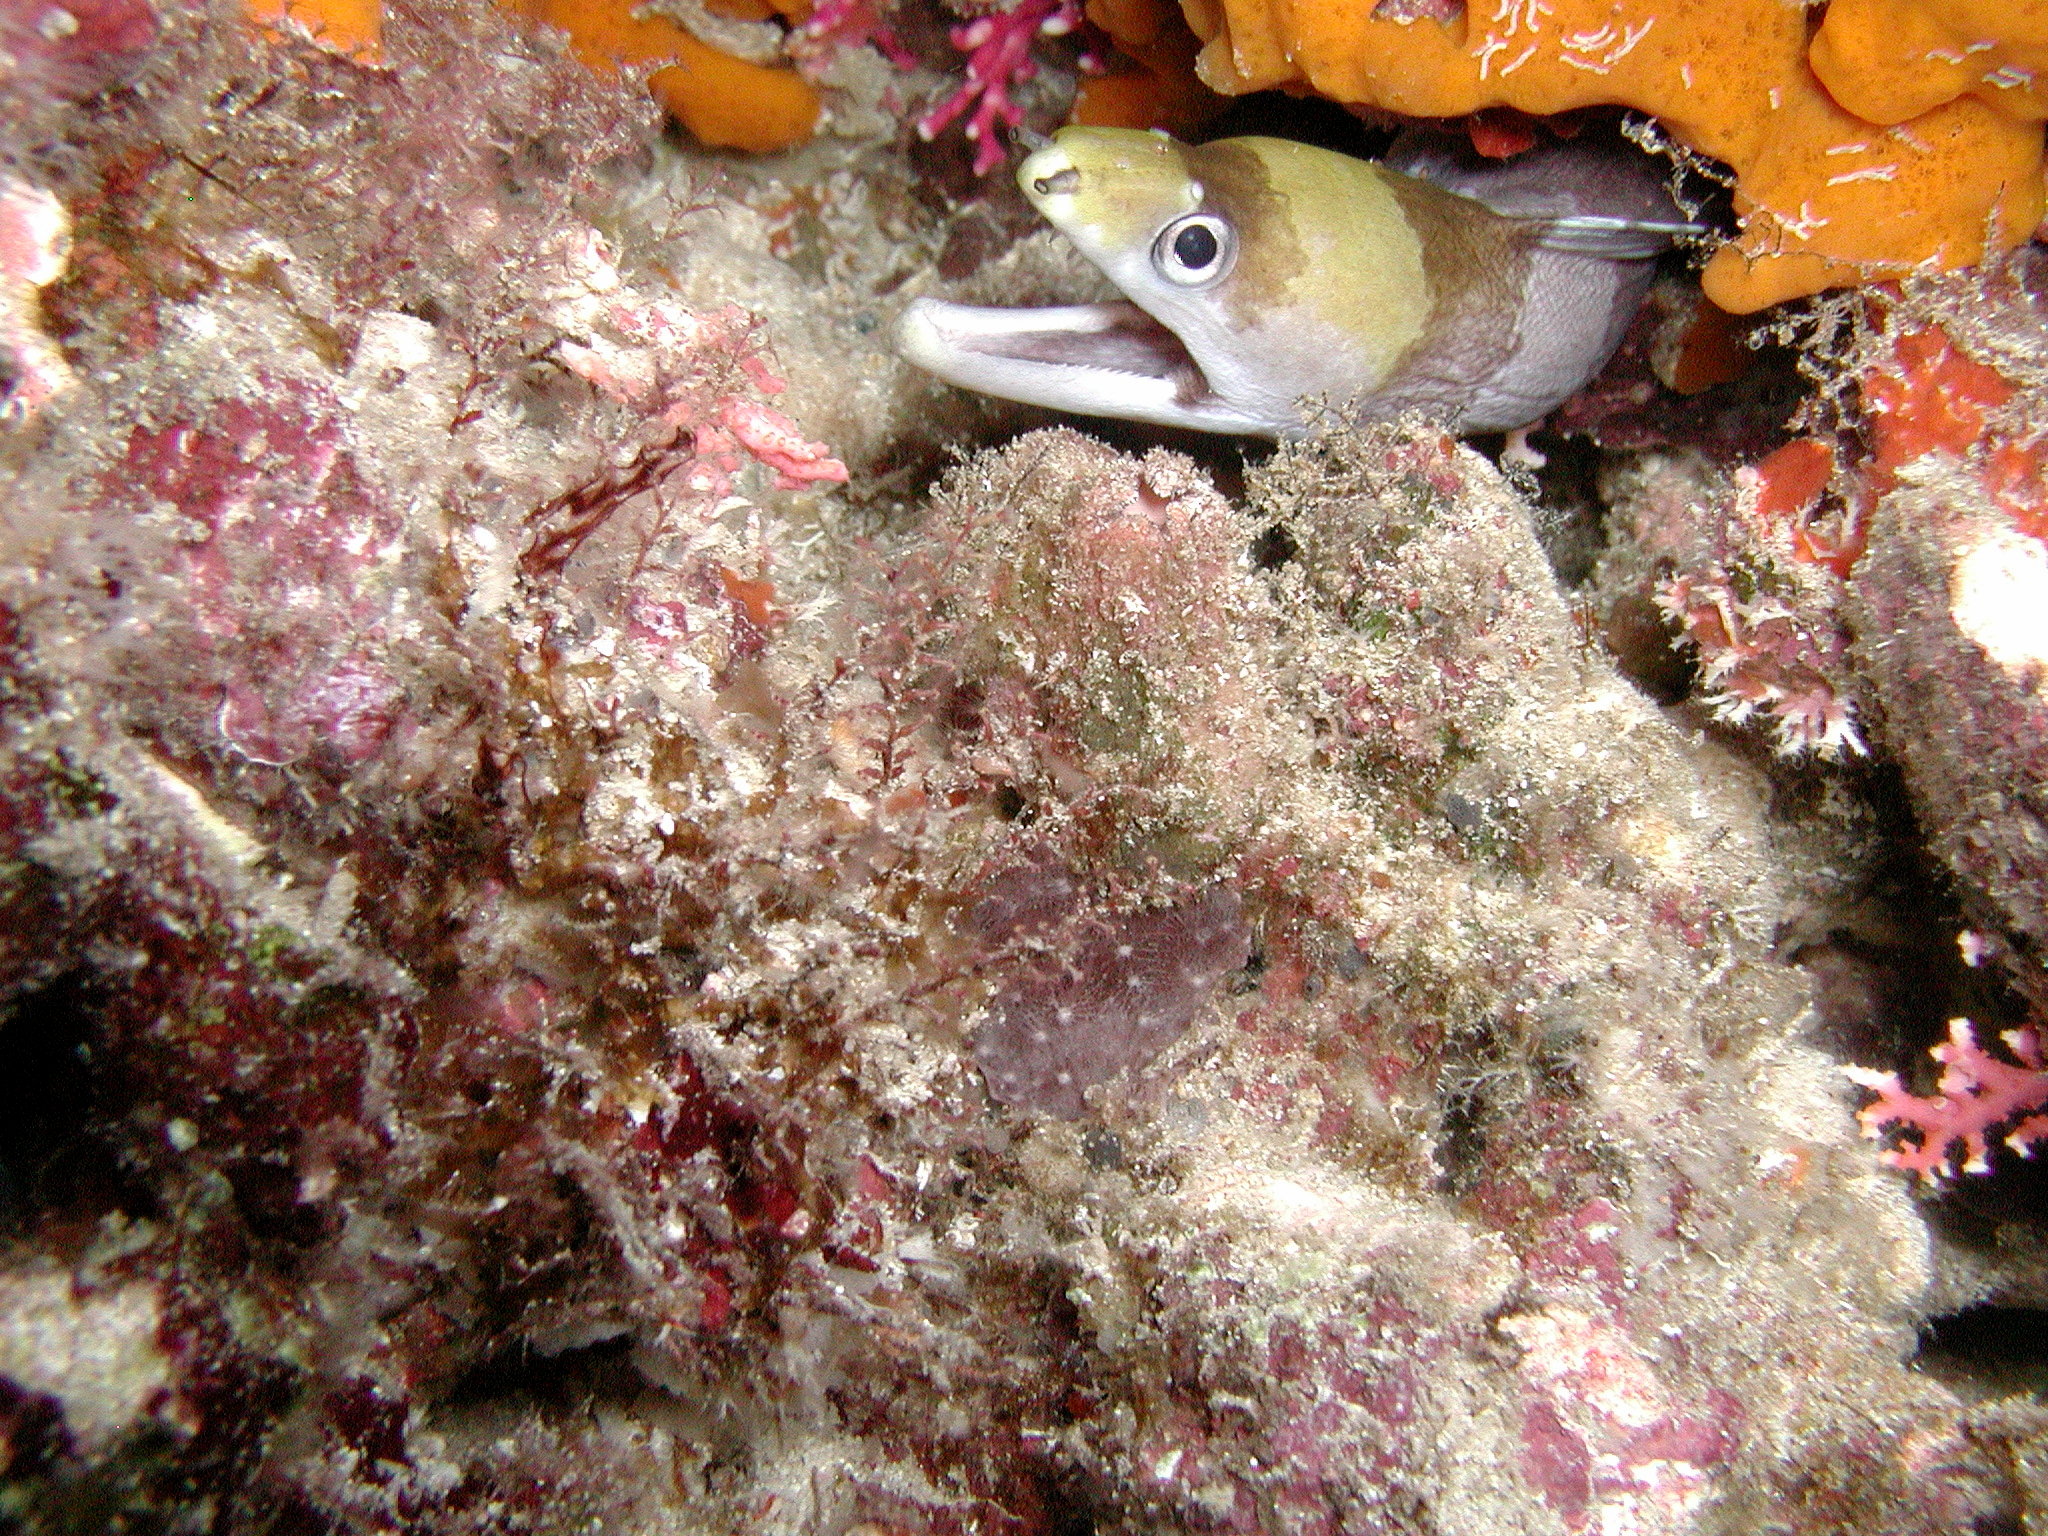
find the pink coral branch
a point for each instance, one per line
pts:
(1978, 1093)
(999, 58)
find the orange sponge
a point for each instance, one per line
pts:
(354, 27)
(1890, 60)
(1159, 88)
(1825, 197)
(724, 101)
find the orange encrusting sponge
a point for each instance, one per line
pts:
(1159, 89)
(353, 27)
(1948, 172)
(724, 101)
(1891, 60)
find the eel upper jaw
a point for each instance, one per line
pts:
(1108, 359)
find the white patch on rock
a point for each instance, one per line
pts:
(96, 1354)
(1998, 596)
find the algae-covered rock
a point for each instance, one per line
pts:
(585, 946)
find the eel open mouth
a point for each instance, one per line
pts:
(1108, 359)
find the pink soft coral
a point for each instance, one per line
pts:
(1978, 1094)
(836, 25)
(998, 50)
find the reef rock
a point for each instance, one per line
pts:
(581, 953)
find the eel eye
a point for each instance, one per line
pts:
(1194, 250)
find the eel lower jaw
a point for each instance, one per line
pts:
(1108, 359)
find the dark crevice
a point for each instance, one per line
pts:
(1887, 967)
(1570, 517)
(50, 1158)
(599, 1370)
(1987, 1351)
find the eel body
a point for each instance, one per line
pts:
(1265, 281)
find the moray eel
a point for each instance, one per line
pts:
(1268, 281)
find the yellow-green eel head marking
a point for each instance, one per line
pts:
(1268, 279)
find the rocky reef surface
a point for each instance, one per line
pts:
(617, 914)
